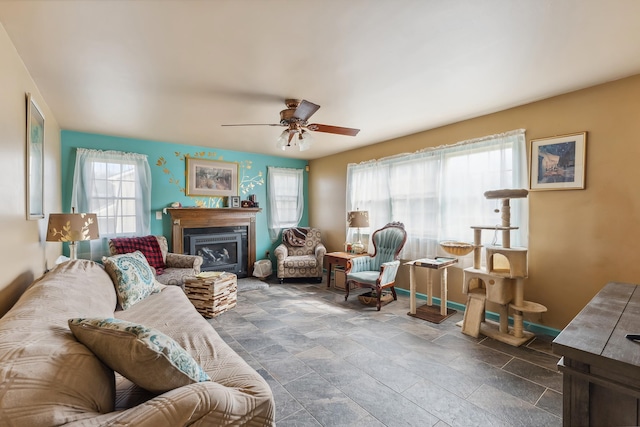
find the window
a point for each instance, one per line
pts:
(286, 199)
(116, 187)
(113, 197)
(439, 193)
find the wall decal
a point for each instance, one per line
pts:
(178, 178)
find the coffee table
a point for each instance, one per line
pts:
(212, 293)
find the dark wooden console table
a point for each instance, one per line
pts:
(600, 367)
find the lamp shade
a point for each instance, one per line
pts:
(72, 227)
(358, 219)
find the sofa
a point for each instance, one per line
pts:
(301, 254)
(171, 268)
(48, 377)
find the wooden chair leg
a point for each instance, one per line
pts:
(347, 285)
(393, 292)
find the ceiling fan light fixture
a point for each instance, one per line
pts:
(296, 119)
(305, 140)
(283, 140)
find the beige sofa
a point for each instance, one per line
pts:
(48, 378)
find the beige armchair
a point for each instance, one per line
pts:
(176, 266)
(301, 254)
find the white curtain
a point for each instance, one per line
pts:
(117, 187)
(285, 199)
(438, 193)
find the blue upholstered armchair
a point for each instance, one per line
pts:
(378, 271)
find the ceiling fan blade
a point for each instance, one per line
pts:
(255, 124)
(305, 110)
(333, 129)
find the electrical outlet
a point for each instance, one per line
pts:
(159, 215)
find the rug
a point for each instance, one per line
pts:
(251, 284)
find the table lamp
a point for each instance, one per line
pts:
(358, 219)
(72, 227)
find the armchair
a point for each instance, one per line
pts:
(301, 254)
(378, 271)
(171, 268)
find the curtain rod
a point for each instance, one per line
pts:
(439, 147)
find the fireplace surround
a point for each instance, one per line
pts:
(227, 224)
(221, 248)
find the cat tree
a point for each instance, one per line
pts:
(500, 282)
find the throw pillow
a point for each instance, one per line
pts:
(148, 245)
(132, 277)
(147, 357)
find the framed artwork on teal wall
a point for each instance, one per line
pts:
(211, 178)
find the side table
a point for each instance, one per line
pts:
(428, 311)
(337, 258)
(212, 293)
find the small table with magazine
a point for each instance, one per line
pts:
(429, 311)
(337, 258)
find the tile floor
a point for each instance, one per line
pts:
(336, 363)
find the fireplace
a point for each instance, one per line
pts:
(200, 222)
(221, 248)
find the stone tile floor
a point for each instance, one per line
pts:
(336, 363)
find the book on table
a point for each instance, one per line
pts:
(435, 262)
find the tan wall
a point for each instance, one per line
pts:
(578, 239)
(23, 252)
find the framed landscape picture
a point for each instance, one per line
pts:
(35, 160)
(558, 163)
(211, 178)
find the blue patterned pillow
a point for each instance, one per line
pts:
(132, 276)
(147, 357)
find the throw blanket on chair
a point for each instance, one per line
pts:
(295, 236)
(148, 245)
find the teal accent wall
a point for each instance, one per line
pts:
(167, 164)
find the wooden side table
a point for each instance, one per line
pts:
(428, 311)
(212, 294)
(337, 258)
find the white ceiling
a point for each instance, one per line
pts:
(176, 71)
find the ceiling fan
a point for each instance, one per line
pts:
(295, 118)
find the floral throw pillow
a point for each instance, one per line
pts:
(132, 276)
(147, 357)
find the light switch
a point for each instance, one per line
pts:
(159, 215)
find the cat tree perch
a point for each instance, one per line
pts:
(500, 282)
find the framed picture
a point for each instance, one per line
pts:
(211, 178)
(234, 201)
(558, 163)
(35, 160)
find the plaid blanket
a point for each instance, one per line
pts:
(148, 245)
(295, 236)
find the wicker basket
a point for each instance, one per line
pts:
(456, 248)
(369, 298)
